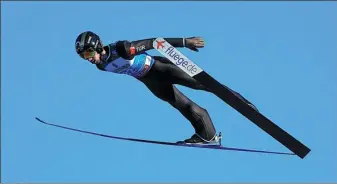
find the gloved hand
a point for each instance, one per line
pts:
(194, 42)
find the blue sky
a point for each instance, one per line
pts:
(280, 55)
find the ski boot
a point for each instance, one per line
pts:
(196, 139)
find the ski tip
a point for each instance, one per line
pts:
(38, 119)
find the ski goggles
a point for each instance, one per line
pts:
(89, 53)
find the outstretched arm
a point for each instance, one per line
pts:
(127, 49)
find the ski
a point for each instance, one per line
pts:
(180, 60)
(216, 147)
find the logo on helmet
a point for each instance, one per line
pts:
(78, 46)
(89, 39)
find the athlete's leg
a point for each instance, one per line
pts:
(197, 115)
(175, 75)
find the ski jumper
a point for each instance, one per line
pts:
(160, 76)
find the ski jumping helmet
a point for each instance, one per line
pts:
(87, 43)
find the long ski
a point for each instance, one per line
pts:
(180, 60)
(218, 147)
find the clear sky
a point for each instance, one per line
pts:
(280, 55)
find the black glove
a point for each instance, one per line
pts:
(194, 43)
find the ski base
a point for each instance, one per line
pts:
(205, 146)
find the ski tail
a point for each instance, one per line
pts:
(162, 142)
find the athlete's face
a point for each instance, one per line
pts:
(96, 59)
(92, 56)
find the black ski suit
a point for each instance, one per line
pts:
(162, 78)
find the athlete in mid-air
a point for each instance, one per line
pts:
(157, 73)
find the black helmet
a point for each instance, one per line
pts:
(88, 40)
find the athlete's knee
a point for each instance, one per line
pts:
(185, 106)
(180, 105)
(198, 110)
